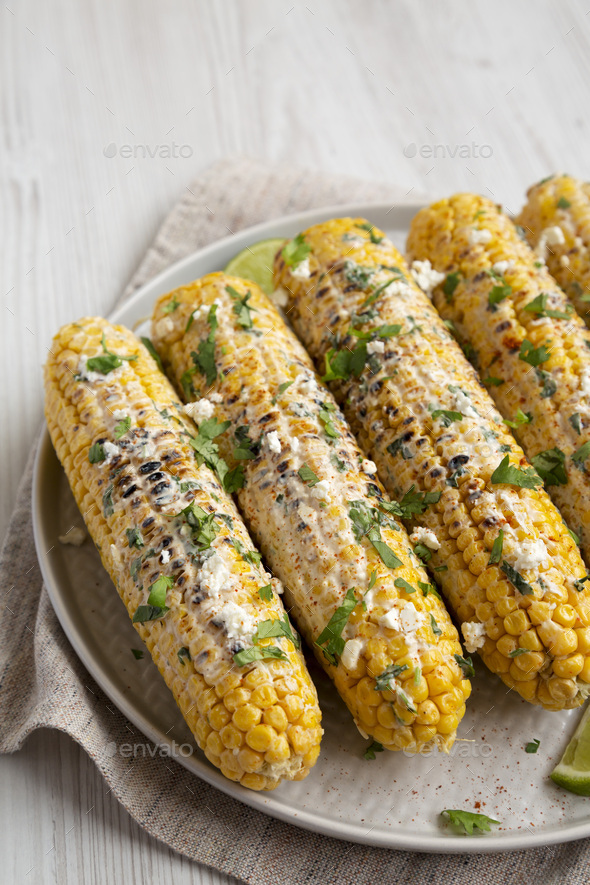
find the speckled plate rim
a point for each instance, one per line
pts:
(137, 307)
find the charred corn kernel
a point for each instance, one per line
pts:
(311, 499)
(422, 416)
(520, 329)
(556, 223)
(123, 440)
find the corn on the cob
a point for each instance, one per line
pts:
(180, 557)
(505, 559)
(532, 349)
(556, 222)
(357, 591)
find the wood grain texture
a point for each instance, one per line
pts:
(90, 90)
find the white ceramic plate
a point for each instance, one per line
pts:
(394, 801)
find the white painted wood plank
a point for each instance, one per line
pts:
(340, 86)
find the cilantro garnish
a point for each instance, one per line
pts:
(206, 451)
(266, 592)
(505, 472)
(517, 579)
(498, 294)
(495, 382)
(326, 418)
(273, 628)
(518, 652)
(158, 590)
(109, 361)
(447, 416)
(435, 628)
(171, 306)
(580, 455)
(137, 653)
(520, 418)
(468, 820)
(532, 746)
(550, 465)
(374, 747)
(383, 681)
(576, 422)
(145, 613)
(402, 584)
(450, 284)
(466, 665)
(367, 520)
(234, 480)
(122, 427)
(423, 553)
(549, 383)
(134, 537)
(538, 306)
(295, 251)
(496, 554)
(330, 639)
(96, 453)
(357, 274)
(183, 654)
(375, 238)
(308, 476)
(152, 352)
(203, 526)
(337, 462)
(532, 355)
(241, 308)
(341, 364)
(107, 501)
(412, 503)
(579, 584)
(563, 203)
(187, 383)
(204, 357)
(246, 449)
(255, 653)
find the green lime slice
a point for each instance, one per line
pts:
(573, 772)
(255, 263)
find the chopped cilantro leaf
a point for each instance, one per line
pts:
(122, 427)
(234, 479)
(532, 355)
(171, 306)
(152, 352)
(308, 476)
(498, 294)
(532, 746)
(183, 654)
(145, 613)
(255, 653)
(548, 382)
(241, 308)
(518, 652)
(375, 238)
(330, 639)
(581, 454)
(435, 628)
(507, 473)
(402, 584)
(576, 422)
(266, 592)
(466, 665)
(383, 680)
(520, 418)
(450, 284)
(538, 306)
(550, 465)
(374, 747)
(563, 203)
(496, 554)
(206, 451)
(158, 590)
(295, 251)
(204, 357)
(447, 417)
(134, 538)
(468, 820)
(96, 453)
(137, 653)
(495, 382)
(517, 579)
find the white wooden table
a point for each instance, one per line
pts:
(109, 110)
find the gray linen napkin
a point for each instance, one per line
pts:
(44, 685)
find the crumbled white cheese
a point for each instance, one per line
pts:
(165, 557)
(351, 653)
(425, 536)
(426, 276)
(531, 554)
(280, 297)
(200, 410)
(203, 310)
(397, 287)
(119, 414)
(110, 450)
(479, 236)
(474, 635)
(163, 327)
(368, 467)
(321, 490)
(375, 347)
(410, 618)
(462, 403)
(236, 621)
(584, 385)
(214, 575)
(75, 536)
(302, 271)
(215, 397)
(564, 261)
(308, 382)
(390, 619)
(84, 374)
(273, 441)
(295, 444)
(551, 236)
(502, 266)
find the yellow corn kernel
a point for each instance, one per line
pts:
(559, 640)
(425, 732)
(231, 737)
(568, 668)
(299, 738)
(506, 644)
(261, 738)
(276, 717)
(293, 707)
(516, 623)
(279, 750)
(247, 717)
(259, 782)
(264, 696)
(447, 723)
(583, 634)
(564, 615)
(386, 716)
(505, 606)
(219, 716)
(214, 744)
(250, 760)
(382, 734)
(439, 680)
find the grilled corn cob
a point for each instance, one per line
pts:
(502, 554)
(556, 222)
(355, 588)
(532, 349)
(180, 557)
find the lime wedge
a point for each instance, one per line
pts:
(255, 263)
(573, 772)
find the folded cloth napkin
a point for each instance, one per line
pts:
(44, 685)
